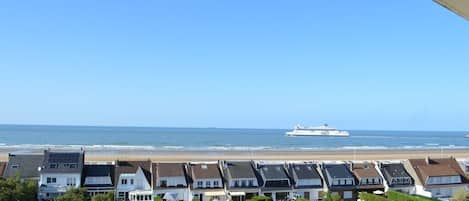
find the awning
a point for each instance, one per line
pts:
(237, 193)
(214, 193)
(171, 196)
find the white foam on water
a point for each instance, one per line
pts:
(220, 148)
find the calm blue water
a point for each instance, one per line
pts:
(216, 138)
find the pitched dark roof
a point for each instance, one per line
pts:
(338, 170)
(273, 171)
(305, 171)
(61, 159)
(26, 165)
(239, 169)
(394, 170)
(205, 171)
(96, 170)
(131, 167)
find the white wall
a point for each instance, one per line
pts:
(308, 182)
(140, 182)
(183, 193)
(443, 180)
(61, 179)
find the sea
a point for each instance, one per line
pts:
(157, 138)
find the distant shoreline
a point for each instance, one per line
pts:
(210, 155)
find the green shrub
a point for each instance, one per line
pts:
(371, 197)
(103, 197)
(14, 189)
(397, 196)
(261, 198)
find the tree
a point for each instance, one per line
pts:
(460, 195)
(75, 194)
(261, 198)
(14, 189)
(103, 197)
(332, 197)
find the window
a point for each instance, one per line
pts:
(339, 181)
(207, 184)
(53, 165)
(163, 183)
(131, 181)
(51, 180)
(124, 181)
(71, 181)
(243, 183)
(215, 183)
(348, 194)
(70, 165)
(236, 183)
(15, 166)
(251, 183)
(200, 184)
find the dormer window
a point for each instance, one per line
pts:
(124, 181)
(207, 184)
(70, 165)
(215, 183)
(15, 166)
(53, 165)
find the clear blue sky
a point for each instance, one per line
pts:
(258, 64)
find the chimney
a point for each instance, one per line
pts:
(427, 160)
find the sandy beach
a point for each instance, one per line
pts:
(199, 155)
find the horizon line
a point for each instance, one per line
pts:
(208, 127)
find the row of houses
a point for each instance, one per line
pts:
(57, 172)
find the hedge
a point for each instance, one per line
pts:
(397, 196)
(371, 197)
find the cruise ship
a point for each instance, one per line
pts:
(323, 130)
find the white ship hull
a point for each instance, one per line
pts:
(318, 133)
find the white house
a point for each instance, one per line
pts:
(133, 179)
(437, 178)
(241, 180)
(340, 180)
(98, 178)
(276, 181)
(170, 182)
(307, 182)
(59, 172)
(207, 182)
(396, 177)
